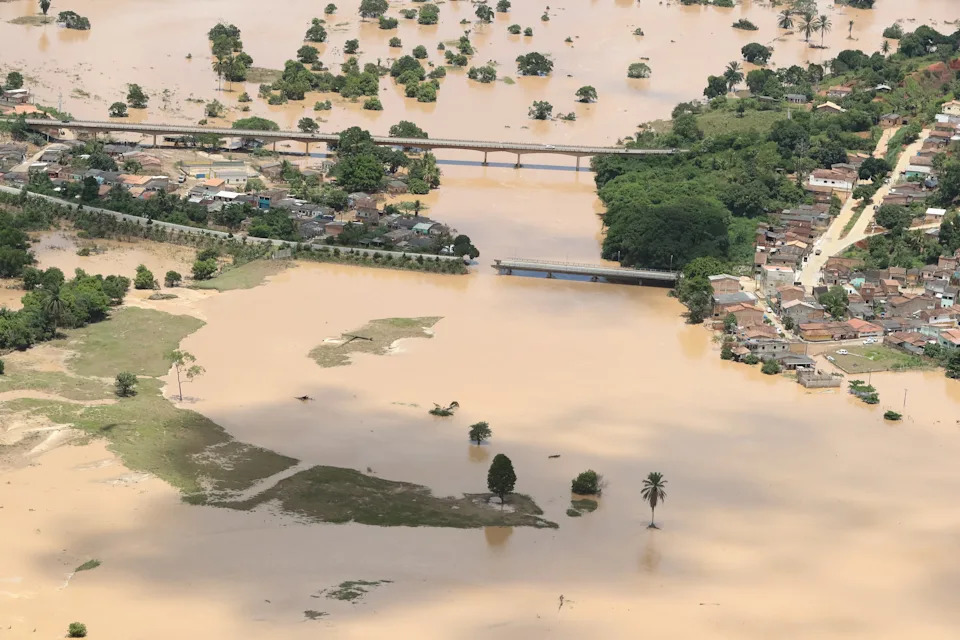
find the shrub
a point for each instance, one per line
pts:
(77, 630)
(771, 367)
(639, 70)
(894, 32)
(751, 359)
(1, 367)
(479, 432)
(388, 23)
(745, 25)
(144, 279)
(528, 31)
(514, 29)
(419, 52)
(726, 352)
(204, 269)
(351, 46)
(892, 416)
(373, 104)
(638, 31)
(587, 483)
(172, 279)
(125, 382)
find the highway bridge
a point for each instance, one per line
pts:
(595, 272)
(485, 147)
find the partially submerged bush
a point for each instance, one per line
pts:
(587, 483)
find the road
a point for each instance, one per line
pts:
(830, 243)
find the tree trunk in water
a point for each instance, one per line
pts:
(652, 512)
(179, 384)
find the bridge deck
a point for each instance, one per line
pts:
(147, 128)
(507, 265)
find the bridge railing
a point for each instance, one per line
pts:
(580, 265)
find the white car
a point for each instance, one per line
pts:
(870, 341)
(549, 146)
(830, 358)
(842, 352)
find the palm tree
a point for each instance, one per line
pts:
(850, 31)
(653, 493)
(220, 64)
(733, 75)
(53, 306)
(823, 25)
(885, 47)
(785, 21)
(807, 25)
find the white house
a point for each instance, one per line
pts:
(951, 108)
(833, 179)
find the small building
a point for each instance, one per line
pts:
(891, 120)
(368, 215)
(772, 277)
(803, 311)
(951, 108)
(724, 283)
(423, 228)
(832, 178)
(767, 348)
(747, 315)
(723, 301)
(796, 98)
(830, 107)
(17, 96)
(865, 329)
(909, 304)
(796, 362)
(790, 292)
(910, 341)
(838, 92)
(334, 228)
(826, 331)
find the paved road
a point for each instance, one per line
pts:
(830, 243)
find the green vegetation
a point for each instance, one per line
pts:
(540, 110)
(484, 74)
(118, 110)
(892, 416)
(373, 8)
(639, 70)
(864, 391)
(353, 590)
(444, 412)
(65, 385)
(77, 630)
(501, 478)
(429, 14)
(582, 505)
(73, 20)
(586, 94)
(311, 614)
(756, 53)
(316, 33)
(654, 493)
(136, 98)
(745, 24)
(479, 432)
(87, 566)
(514, 29)
(125, 383)
(246, 276)
(878, 357)
(770, 367)
(333, 494)
(534, 64)
(376, 337)
(588, 483)
(144, 279)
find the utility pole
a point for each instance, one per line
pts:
(905, 399)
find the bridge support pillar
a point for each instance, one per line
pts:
(274, 146)
(484, 158)
(549, 274)
(308, 149)
(154, 141)
(578, 163)
(518, 165)
(594, 278)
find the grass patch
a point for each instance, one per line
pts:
(573, 513)
(857, 212)
(335, 494)
(87, 566)
(32, 21)
(508, 80)
(870, 358)
(374, 337)
(246, 276)
(56, 383)
(310, 614)
(163, 296)
(262, 75)
(134, 340)
(724, 121)
(353, 590)
(584, 504)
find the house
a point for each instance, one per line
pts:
(17, 96)
(861, 310)
(838, 92)
(747, 315)
(739, 297)
(944, 318)
(267, 199)
(423, 228)
(830, 107)
(796, 362)
(948, 263)
(397, 235)
(891, 120)
(368, 215)
(772, 277)
(889, 287)
(865, 329)
(12, 154)
(825, 331)
(909, 341)
(948, 297)
(949, 339)
(951, 108)
(226, 197)
(803, 311)
(832, 178)
(311, 228)
(758, 331)
(213, 184)
(899, 325)
(917, 171)
(724, 283)
(334, 228)
(767, 347)
(934, 215)
(796, 98)
(790, 292)
(909, 304)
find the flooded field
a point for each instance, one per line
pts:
(789, 514)
(683, 45)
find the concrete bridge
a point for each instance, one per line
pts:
(595, 272)
(518, 148)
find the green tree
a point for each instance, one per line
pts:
(315, 33)
(77, 630)
(479, 432)
(484, 74)
(44, 6)
(586, 93)
(373, 8)
(214, 109)
(330, 9)
(118, 110)
(894, 218)
(726, 351)
(136, 98)
(144, 279)
(653, 493)
(308, 125)
(503, 6)
(586, 483)
(639, 70)
(756, 53)
(534, 64)
(172, 279)
(484, 12)
(204, 269)
(351, 46)
(184, 363)
(716, 87)
(125, 382)
(808, 24)
(540, 110)
(54, 306)
(90, 190)
(953, 365)
(733, 75)
(730, 323)
(256, 123)
(14, 80)
(771, 367)
(501, 478)
(406, 129)
(824, 25)
(835, 301)
(429, 14)
(419, 52)
(307, 54)
(785, 19)
(361, 172)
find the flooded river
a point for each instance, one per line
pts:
(788, 515)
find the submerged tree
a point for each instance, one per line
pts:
(183, 363)
(653, 492)
(501, 478)
(44, 6)
(586, 94)
(479, 432)
(785, 20)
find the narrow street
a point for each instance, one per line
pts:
(830, 243)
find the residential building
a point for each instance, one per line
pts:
(825, 331)
(838, 92)
(910, 341)
(830, 107)
(865, 329)
(790, 292)
(796, 362)
(908, 305)
(747, 315)
(833, 178)
(724, 283)
(951, 108)
(891, 120)
(772, 277)
(767, 348)
(796, 98)
(802, 311)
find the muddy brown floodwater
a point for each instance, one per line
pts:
(789, 514)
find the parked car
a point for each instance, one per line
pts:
(818, 251)
(870, 341)
(830, 358)
(842, 352)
